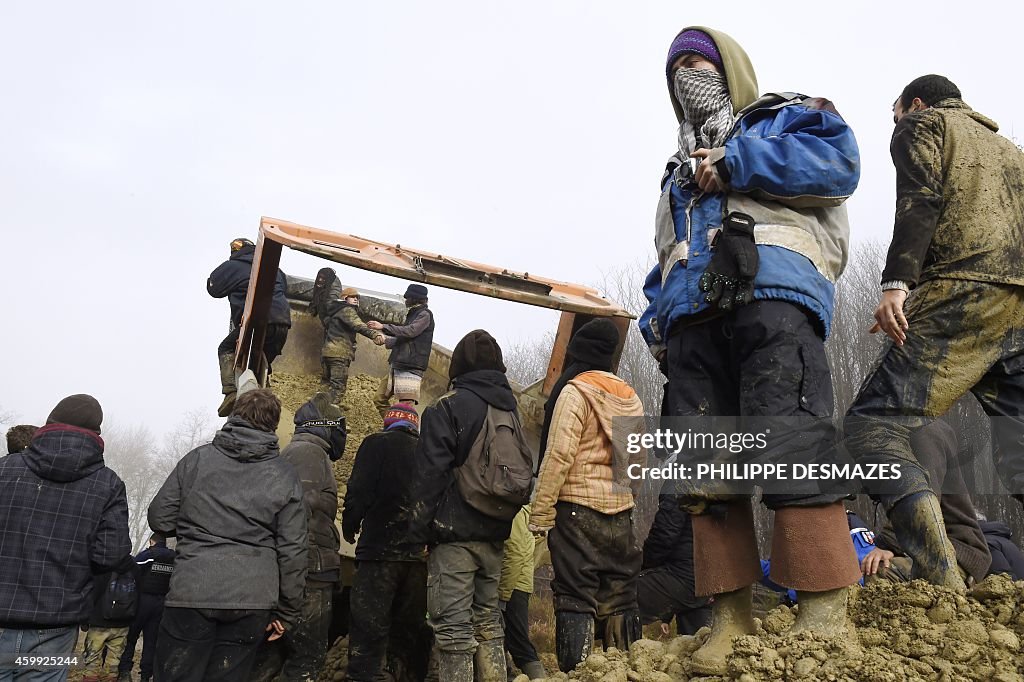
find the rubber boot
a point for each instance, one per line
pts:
(822, 612)
(574, 638)
(489, 661)
(535, 670)
(227, 384)
(731, 616)
(622, 629)
(917, 522)
(455, 666)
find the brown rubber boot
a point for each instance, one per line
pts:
(726, 564)
(227, 384)
(812, 554)
(731, 616)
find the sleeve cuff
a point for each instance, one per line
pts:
(891, 284)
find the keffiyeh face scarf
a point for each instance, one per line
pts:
(707, 109)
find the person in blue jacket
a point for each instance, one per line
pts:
(751, 235)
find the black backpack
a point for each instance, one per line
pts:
(497, 477)
(119, 600)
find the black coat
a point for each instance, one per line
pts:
(308, 454)
(1006, 556)
(669, 543)
(231, 279)
(236, 507)
(156, 564)
(380, 497)
(63, 518)
(448, 430)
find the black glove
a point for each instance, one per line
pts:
(729, 279)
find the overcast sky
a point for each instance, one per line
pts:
(141, 137)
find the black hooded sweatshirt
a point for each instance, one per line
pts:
(63, 518)
(448, 429)
(379, 500)
(231, 279)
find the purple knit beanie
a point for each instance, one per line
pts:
(696, 42)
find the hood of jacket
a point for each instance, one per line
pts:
(244, 254)
(491, 385)
(739, 72)
(64, 453)
(612, 401)
(310, 411)
(995, 528)
(239, 440)
(957, 103)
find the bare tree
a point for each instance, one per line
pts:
(143, 463)
(8, 418)
(527, 361)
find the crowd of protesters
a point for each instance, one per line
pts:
(446, 509)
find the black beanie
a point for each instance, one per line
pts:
(476, 350)
(79, 410)
(595, 342)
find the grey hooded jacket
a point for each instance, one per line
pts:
(236, 509)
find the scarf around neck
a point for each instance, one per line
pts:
(707, 109)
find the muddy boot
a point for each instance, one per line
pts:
(917, 522)
(489, 661)
(227, 384)
(574, 638)
(812, 554)
(535, 670)
(622, 629)
(822, 612)
(125, 676)
(455, 666)
(731, 616)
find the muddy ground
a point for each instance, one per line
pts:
(912, 631)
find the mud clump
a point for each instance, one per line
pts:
(899, 631)
(336, 664)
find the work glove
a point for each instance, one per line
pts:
(729, 278)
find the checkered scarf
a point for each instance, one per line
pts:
(707, 109)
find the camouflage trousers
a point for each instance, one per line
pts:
(103, 648)
(963, 336)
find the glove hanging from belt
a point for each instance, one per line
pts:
(729, 279)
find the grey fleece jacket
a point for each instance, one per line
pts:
(236, 508)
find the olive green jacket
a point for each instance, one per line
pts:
(959, 199)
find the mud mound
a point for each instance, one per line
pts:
(914, 631)
(361, 416)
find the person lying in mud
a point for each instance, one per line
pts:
(952, 305)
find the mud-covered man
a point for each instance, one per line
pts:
(339, 314)
(958, 244)
(751, 239)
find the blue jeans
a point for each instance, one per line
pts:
(52, 642)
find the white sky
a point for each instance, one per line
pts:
(140, 137)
